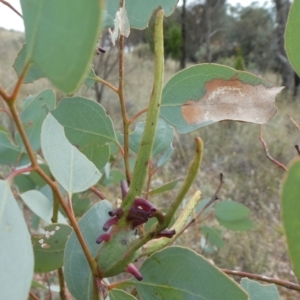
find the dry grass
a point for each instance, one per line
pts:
(230, 148)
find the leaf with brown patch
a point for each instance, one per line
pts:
(209, 93)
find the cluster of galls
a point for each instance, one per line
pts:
(140, 212)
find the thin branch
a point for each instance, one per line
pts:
(31, 294)
(137, 115)
(214, 198)
(14, 173)
(97, 192)
(298, 149)
(286, 284)
(123, 106)
(294, 122)
(11, 7)
(98, 79)
(62, 288)
(265, 146)
(48, 284)
(5, 111)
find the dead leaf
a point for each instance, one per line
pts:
(232, 100)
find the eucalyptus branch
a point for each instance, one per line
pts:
(11, 102)
(144, 153)
(107, 84)
(53, 185)
(33, 296)
(276, 162)
(97, 192)
(62, 288)
(11, 7)
(137, 115)
(286, 284)
(17, 172)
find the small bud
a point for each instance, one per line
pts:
(109, 223)
(124, 188)
(134, 271)
(118, 212)
(144, 204)
(166, 233)
(103, 237)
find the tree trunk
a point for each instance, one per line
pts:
(208, 30)
(287, 72)
(183, 35)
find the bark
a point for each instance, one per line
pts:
(183, 35)
(287, 72)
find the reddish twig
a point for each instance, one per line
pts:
(276, 162)
(11, 7)
(19, 171)
(97, 192)
(137, 115)
(286, 284)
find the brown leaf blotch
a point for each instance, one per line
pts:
(232, 100)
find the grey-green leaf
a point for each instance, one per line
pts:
(165, 157)
(138, 11)
(33, 73)
(164, 188)
(116, 294)
(239, 225)
(41, 206)
(67, 164)
(213, 236)
(87, 126)
(257, 291)
(164, 273)
(163, 137)
(9, 152)
(78, 275)
(16, 255)
(231, 211)
(52, 38)
(49, 248)
(35, 109)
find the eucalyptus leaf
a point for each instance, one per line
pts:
(291, 36)
(290, 207)
(257, 291)
(163, 137)
(78, 275)
(164, 188)
(231, 211)
(34, 113)
(67, 164)
(116, 294)
(165, 157)
(52, 43)
(41, 206)
(87, 126)
(239, 225)
(163, 273)
(191, 98)
(16, 255)
(49, 248)
(33, 73)
(213, 236)
(138, 11)
(9, 152)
